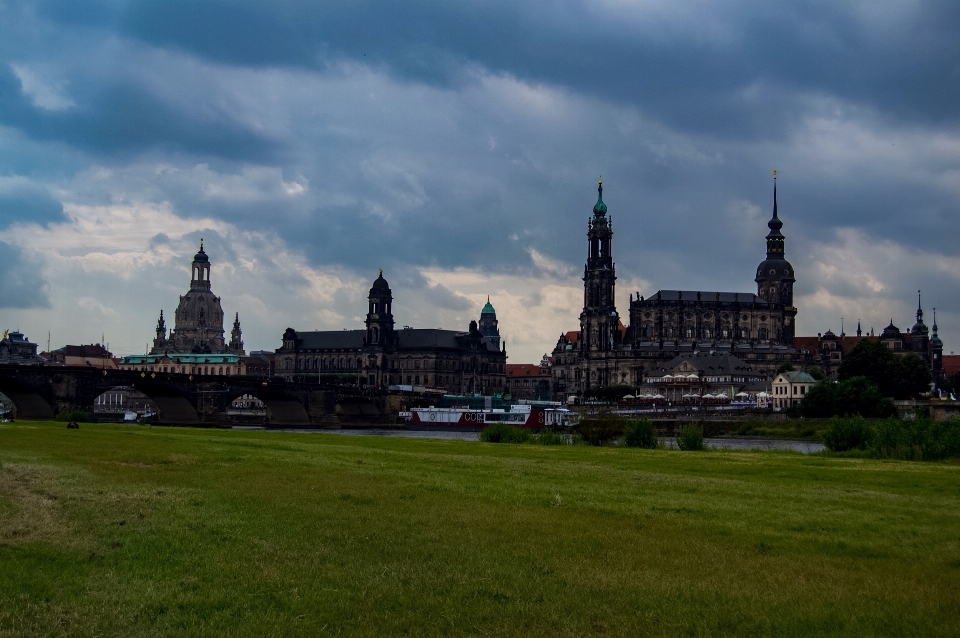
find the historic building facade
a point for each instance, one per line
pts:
(380, 355)
(198, 322)
(196, 345)
(758, 328)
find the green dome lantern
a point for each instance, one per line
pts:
(600, 208)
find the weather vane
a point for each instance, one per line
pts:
(774, 173)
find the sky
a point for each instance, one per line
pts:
(457, 145)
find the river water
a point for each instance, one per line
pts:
(730, 443)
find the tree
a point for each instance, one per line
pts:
(786, 366)
(850, 397)
(816, 373)
(898, 376)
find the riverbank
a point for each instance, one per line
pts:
(129, 530)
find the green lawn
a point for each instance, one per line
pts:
(125, 530)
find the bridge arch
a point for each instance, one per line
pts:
(281, 408)
(30, 400)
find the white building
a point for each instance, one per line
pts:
(789, 388)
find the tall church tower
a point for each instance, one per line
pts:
(488, 324)
(599, 319)
(775, 277)
(380, 313)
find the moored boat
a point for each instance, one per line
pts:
(476, 413)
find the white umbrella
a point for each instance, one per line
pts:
(667, 376)
(762, 394)
(658, 396)
(692, 376)
(629, 396)
(709, 396)
(722, 395)
(742, 394)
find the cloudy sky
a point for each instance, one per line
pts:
(457, 145)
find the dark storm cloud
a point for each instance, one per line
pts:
(29, 206)
(21, 285)
(121, 118)
(688, 65)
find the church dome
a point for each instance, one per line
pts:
(772, 269)
(488, 308)
(600, 208)
(380, 285)
(891, 332)
(201, 256)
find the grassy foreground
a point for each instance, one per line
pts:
(122, 530)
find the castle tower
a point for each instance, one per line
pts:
(775, 276)
(599, 319)
(380, 313)
(488, 324)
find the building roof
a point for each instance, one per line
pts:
(951, 364)
(331, 339)
(178, 357)
(572, 337)
(522, 370)
(797, 376)
(92, 351)
(709, 363)
(691, 295)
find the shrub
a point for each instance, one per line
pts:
(552, 437)
(690, 437)
(505, 433)
(601, 430)
(848, 433)
(919, 440)
(640, 433)
(76, 414)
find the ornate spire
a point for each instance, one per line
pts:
(600, 209)
(775, 238)
(919, 309)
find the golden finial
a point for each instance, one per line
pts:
(774, 173)
(488, 298)
(381, 272)
(600, 181)
(201, 243)
(6, 333)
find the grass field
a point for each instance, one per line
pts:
(120, 530)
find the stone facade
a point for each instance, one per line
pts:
(15, 349)
(198, 322)
(530, 381)
(758, 328)
(380, 355)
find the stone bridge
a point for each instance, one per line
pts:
(40, 392)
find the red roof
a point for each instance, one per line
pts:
(92, 351)
(845, 343)
(522, 370)
(951, 364)
(573, 336)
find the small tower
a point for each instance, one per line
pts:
(599, 319)
(200, 270)
(775, 277)
(936, 352)
(160, 343)
(920, 335)
(236, 336)
(488, 324)
(380, 313)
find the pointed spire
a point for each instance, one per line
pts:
(919, 309)
(859, 332)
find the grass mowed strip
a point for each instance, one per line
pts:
(115, 530)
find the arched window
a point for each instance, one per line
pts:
(762, 334)
(221, 371)
(342, 363)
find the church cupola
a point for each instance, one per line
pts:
(161, 343)
(200, 270)
(380, 313)
(919, 328)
